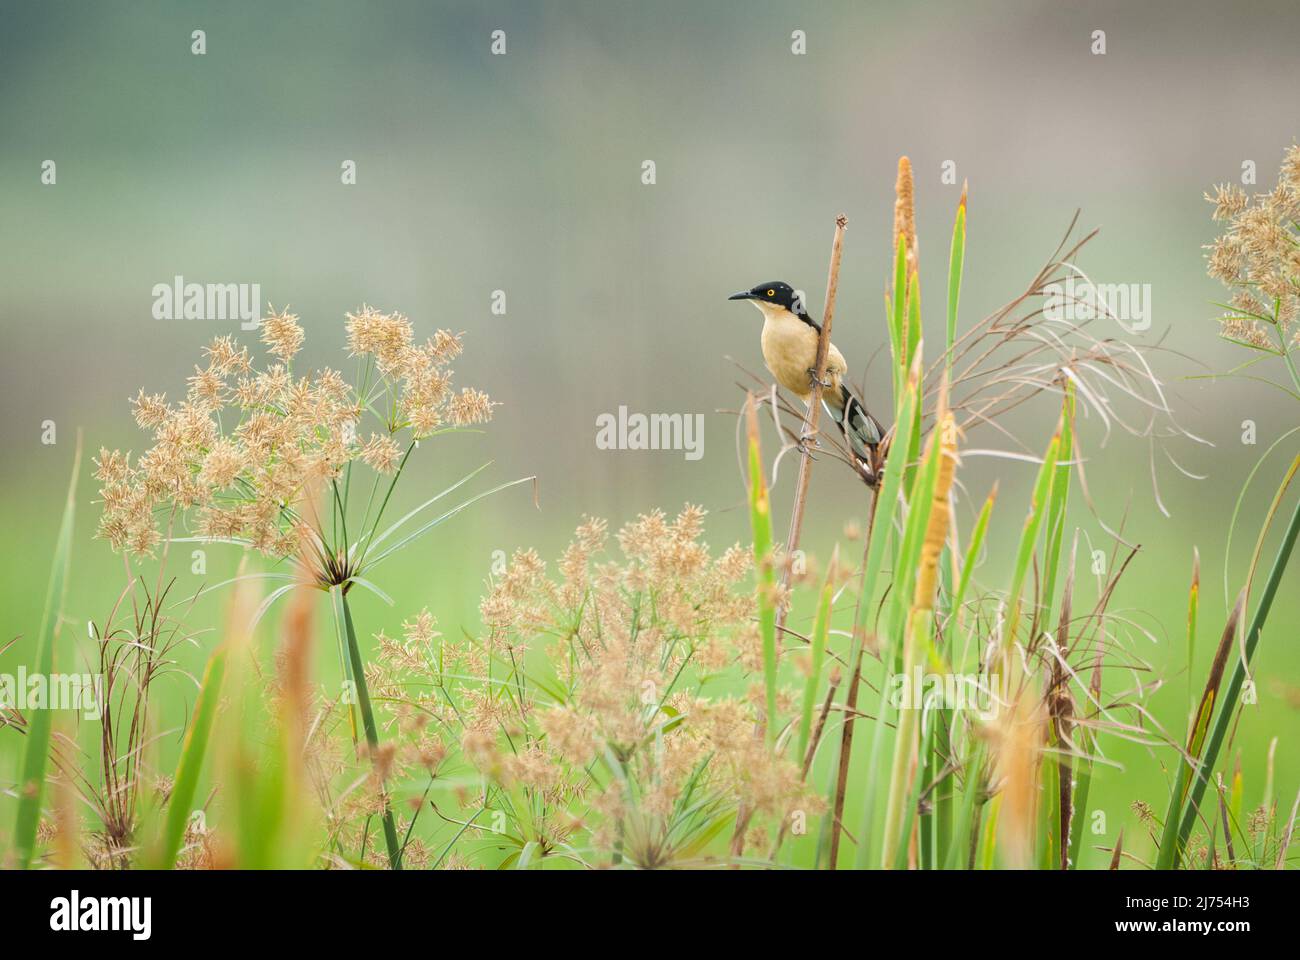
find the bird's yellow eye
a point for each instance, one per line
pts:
(771, 293)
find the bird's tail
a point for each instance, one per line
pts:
(862, 432)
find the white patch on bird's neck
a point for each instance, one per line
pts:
(777, 318)
(773, 311)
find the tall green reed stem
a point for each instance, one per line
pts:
(1224, 720)
(186, 782)
(343, 621)
(32, 784)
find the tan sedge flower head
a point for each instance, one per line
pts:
(1228, 199)
(1247, 332)
(1258, 257)
(226, 357)
(235, 458)
(381, 453)
(282, 334)
(470, 406)
(150, 410)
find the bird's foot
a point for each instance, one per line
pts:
(807, 443)
(812, 379)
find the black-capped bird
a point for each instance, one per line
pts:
(789, 344)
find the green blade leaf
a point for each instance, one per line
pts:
(956, 260)
(1238, 679)
(820, 629)
(192, 754)
(32, 784)
(760, 517)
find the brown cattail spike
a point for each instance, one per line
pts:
(905, 213)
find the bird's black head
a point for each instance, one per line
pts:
(774, 292)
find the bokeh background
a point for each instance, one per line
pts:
(522, 173)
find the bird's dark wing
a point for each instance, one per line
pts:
(862, 431)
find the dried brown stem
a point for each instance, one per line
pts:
(813, 416)
(850, 708)
(809, 754)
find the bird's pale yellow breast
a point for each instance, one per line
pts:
(790, 351)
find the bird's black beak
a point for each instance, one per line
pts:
(742, 295)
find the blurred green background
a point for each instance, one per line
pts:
(522, 173)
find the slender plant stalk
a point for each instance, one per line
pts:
(1083, 776)
(797, 511)
(343, 612)
(1025, 553)
(895, 312)
(925, 775)
(937, 817)
(818, 654)
(873, 561)
(1193, 608)
(813, 416)
(1056, 776)
(947, 844)
(32, 784)
(840, 766)
(1060, 799)
(186, 784)
(760, 519)
(760, 516)
(810, 752)
(913, 337)
(956, 260)
(928, 529)
(961, 854)
(972, 555)
(1198, 728)
(1224, 720)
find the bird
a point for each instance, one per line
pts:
(789, 342)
